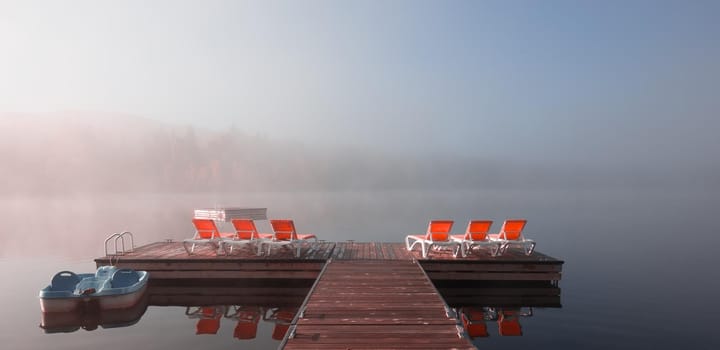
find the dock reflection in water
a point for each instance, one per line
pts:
(486, 308)
(244, 302)
(483, 309)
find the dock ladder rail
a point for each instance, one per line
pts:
(120, 237)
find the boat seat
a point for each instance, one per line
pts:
(124, 278)
(64, 281)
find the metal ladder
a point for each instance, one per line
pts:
(120, 237)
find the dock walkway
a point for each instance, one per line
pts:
(373, 304)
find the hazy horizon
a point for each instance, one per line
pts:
(86, 153)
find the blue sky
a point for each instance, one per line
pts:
(559, 80)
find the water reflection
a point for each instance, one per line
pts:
(474, 320)
(247, 318)
(281, 317)
(245, 303)
(209, 318)
(91, 318)
(484, 308)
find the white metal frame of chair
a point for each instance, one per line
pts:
(466, 245)
(426, 244)
(292, 243)
(520, 241)
(252, 242)
(255, 244)
(524, 242)
(295, 244)
(214, 240)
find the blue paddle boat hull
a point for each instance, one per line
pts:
(109, 288)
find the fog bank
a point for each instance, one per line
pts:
(103, 153)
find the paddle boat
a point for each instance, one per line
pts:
(108, 288)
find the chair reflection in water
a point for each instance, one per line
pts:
(508, 320)
(208, 318)
(247, 318)
(282, 317)
(473, 319)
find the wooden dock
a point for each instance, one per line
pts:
(363, 295)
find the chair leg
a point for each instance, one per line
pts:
(529, 251)
(191, 250)
(504, 248)
(495, 250)
(411, 246)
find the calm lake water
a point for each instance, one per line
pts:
(640, 266)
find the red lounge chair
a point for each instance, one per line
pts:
(286, 235)
(206, 232)
(511, 234)
(476, 235)
(246, 234)
(438, 235)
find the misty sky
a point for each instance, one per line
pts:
(564, 80)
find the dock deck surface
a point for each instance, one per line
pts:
(168, 260)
